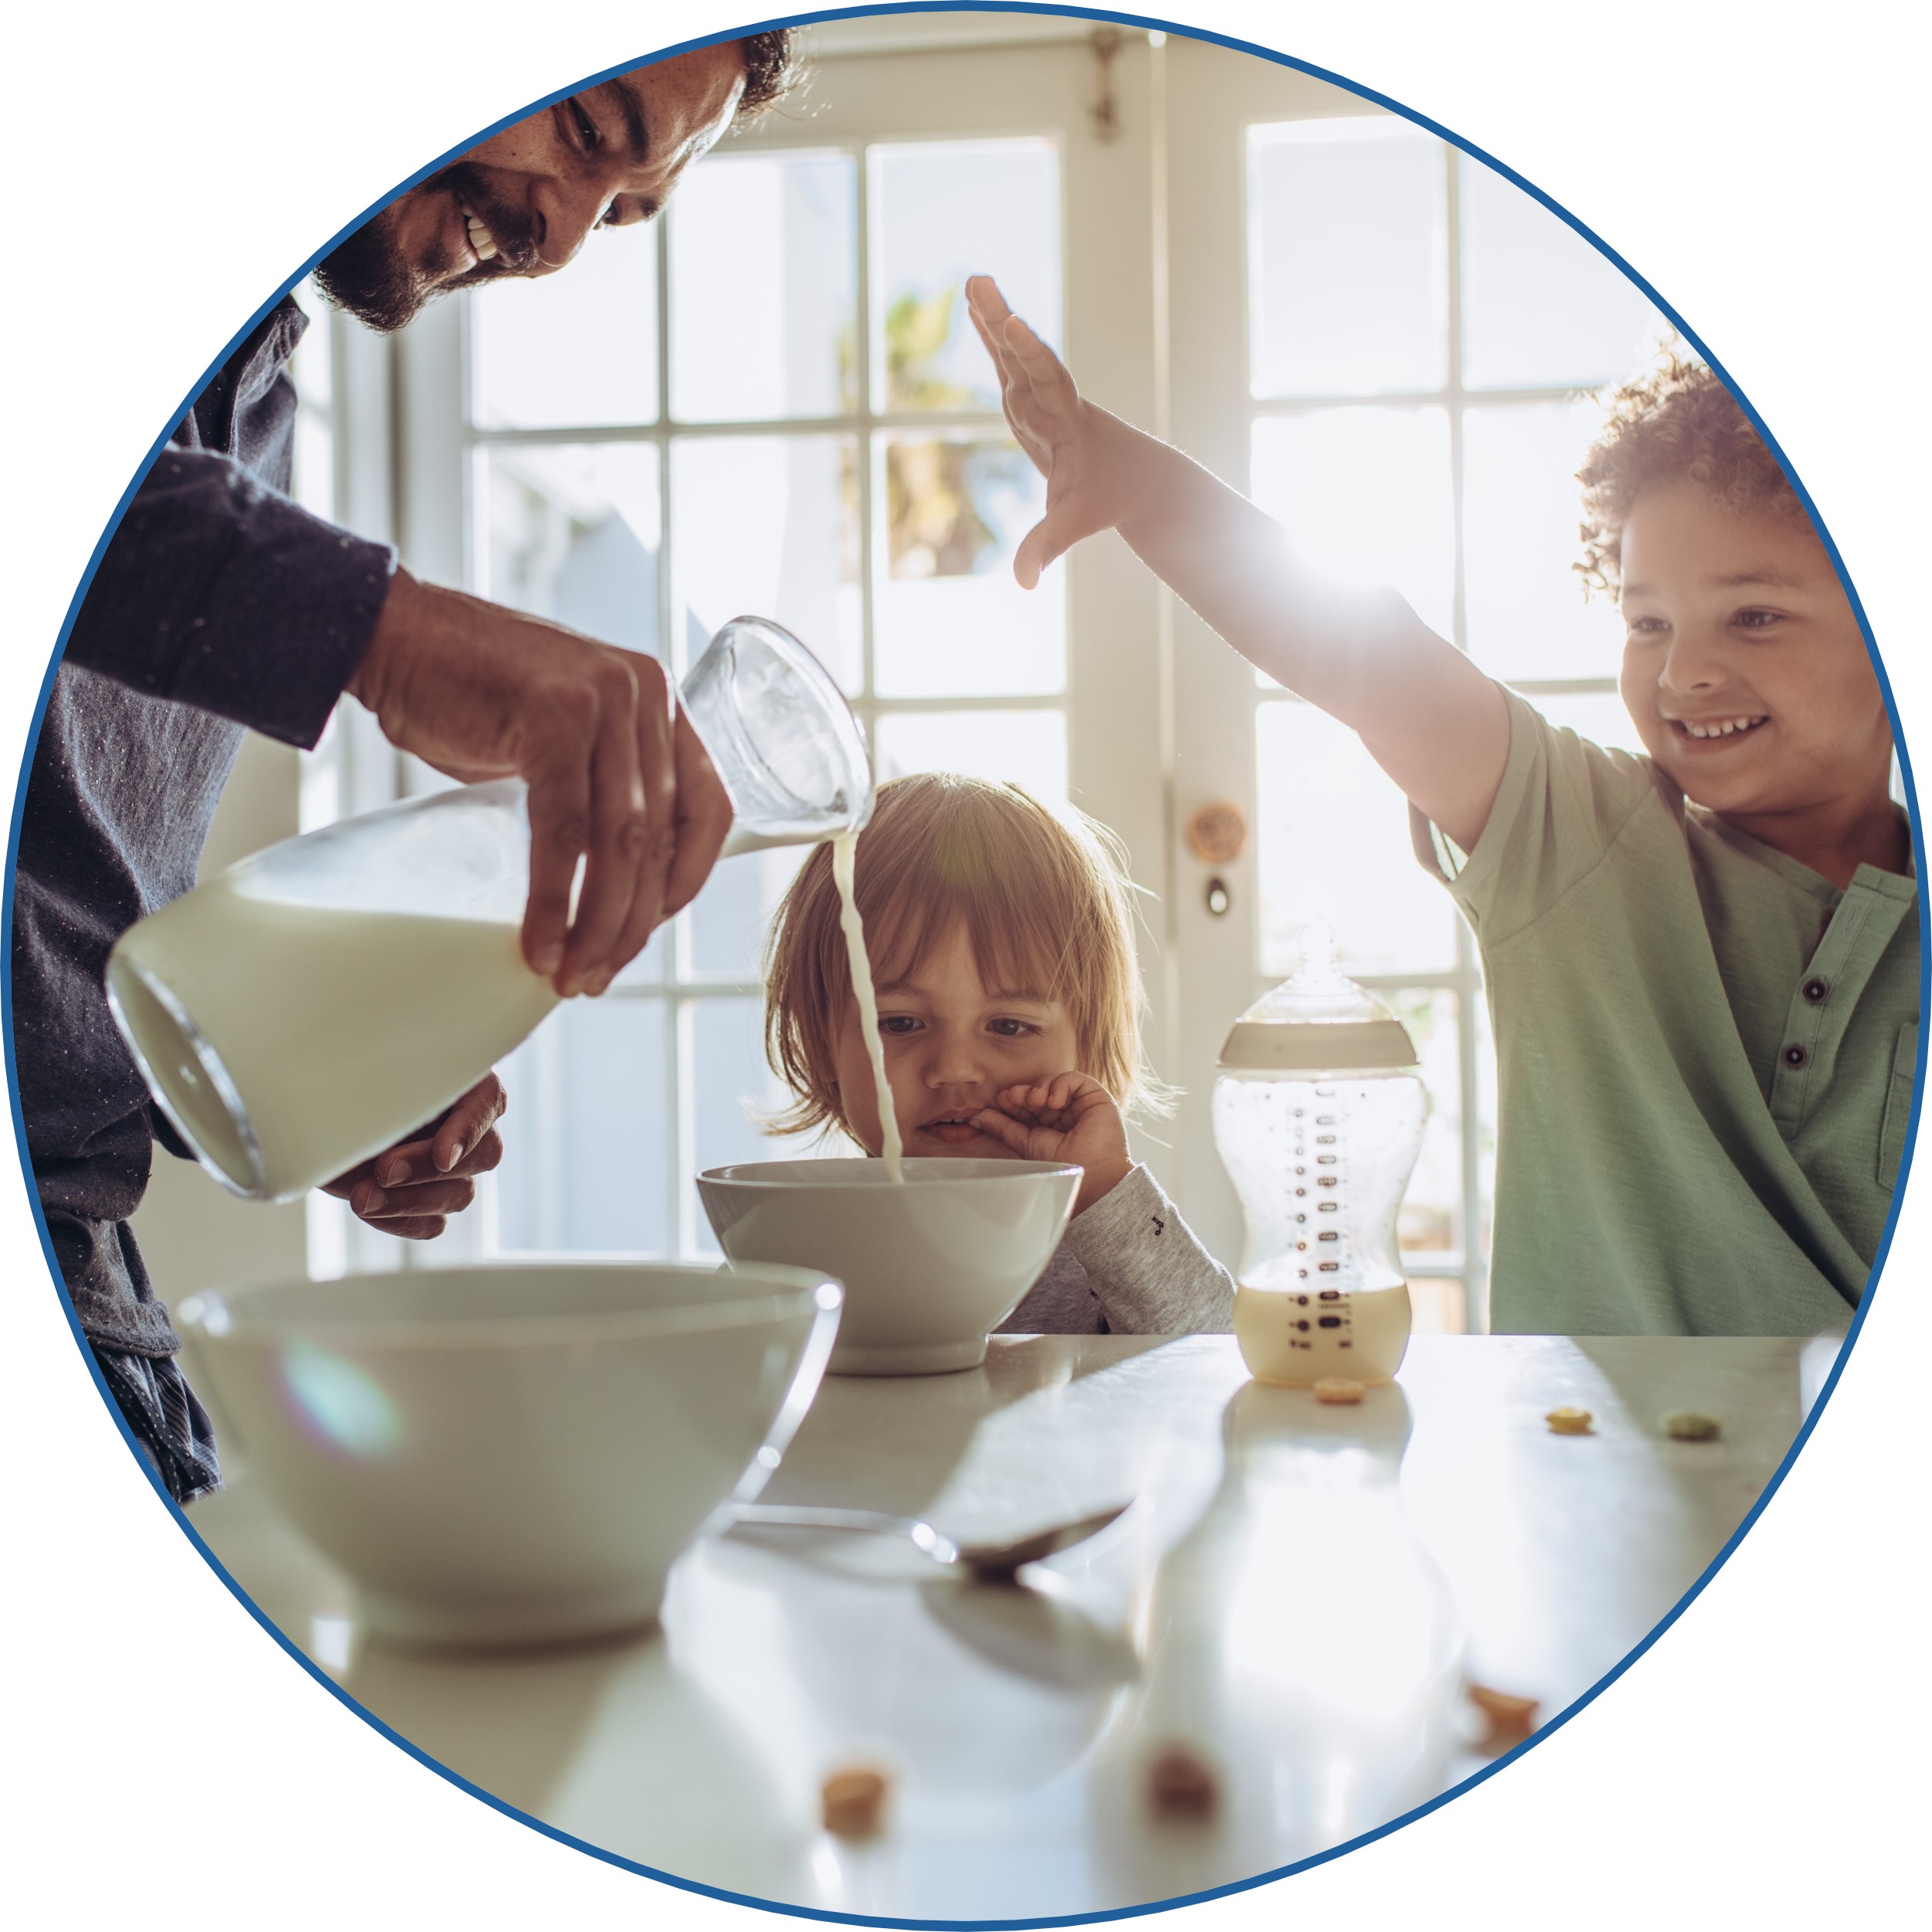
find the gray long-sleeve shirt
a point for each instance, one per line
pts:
(1129, 1265)
(218, 604)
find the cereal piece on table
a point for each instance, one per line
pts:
(852, 1802)
(1337, 1388)
(1511, 1719)
(1180, 1785)
(1569, 1422)
(1687, 1425)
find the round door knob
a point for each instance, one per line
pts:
(1217, 833)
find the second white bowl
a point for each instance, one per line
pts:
(931, 1265)
(517, 1453)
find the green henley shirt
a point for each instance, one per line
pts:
(1705, 1055)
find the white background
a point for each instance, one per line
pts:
(166, 166)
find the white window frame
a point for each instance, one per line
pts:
(438, 527)
(1160, 717)
(1468, 1261)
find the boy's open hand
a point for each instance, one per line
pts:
(1427, 714)
(1097, 468)
(1070, 1119)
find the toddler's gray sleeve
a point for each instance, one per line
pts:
(1151, 1276)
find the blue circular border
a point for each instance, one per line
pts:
(1912, 806)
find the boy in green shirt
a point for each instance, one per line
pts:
(1703, 965)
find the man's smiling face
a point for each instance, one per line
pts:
(522, 202)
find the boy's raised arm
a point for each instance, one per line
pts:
(1434, 722)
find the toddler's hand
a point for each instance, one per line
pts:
(1100, 472)
(1070, 1119)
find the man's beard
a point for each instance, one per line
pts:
(368, 274)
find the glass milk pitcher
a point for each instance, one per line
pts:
(322, 999)
(1318, 1116)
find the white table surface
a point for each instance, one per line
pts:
(1300, 1595)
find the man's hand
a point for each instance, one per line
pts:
(411, 1190)
(617, 776)
(1100, 472)
(1071, 1119)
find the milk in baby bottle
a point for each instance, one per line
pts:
(1318, 1117)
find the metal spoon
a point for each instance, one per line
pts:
(984, 1560)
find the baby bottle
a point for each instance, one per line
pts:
(320, 1000)
(1318, 1119)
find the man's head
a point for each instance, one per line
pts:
(522, 202)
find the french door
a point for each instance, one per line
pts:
(772, 401)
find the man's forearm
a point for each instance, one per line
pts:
(218, 592)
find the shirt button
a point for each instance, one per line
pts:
(1795, 1056)
(1815, 990)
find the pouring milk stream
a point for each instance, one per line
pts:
(319, 1001)
(844, 857)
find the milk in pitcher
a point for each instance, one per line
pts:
(347, 1030)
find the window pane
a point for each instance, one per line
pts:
(1438, 1305)
(1023, 748)
(570, 531)
(1364, 496)
(940, 212)
(1333, 844)
(572, 350)
(767, 526)
(312, 366)
(587, 1139)
(764, 288)
(1527, 616)
(949, 620)
(729, 917)
(312, 484)
(731, 1088)
(1348, 255)
(1431, 1220)
(1598, 715)
(1541, 306)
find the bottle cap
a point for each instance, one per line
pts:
(1317, 1018)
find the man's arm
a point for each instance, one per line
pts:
(218, 592)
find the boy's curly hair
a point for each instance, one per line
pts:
(1677, 423)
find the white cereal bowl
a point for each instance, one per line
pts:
(514, 1454)
(931, 1265)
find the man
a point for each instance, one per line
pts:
(220, 605)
